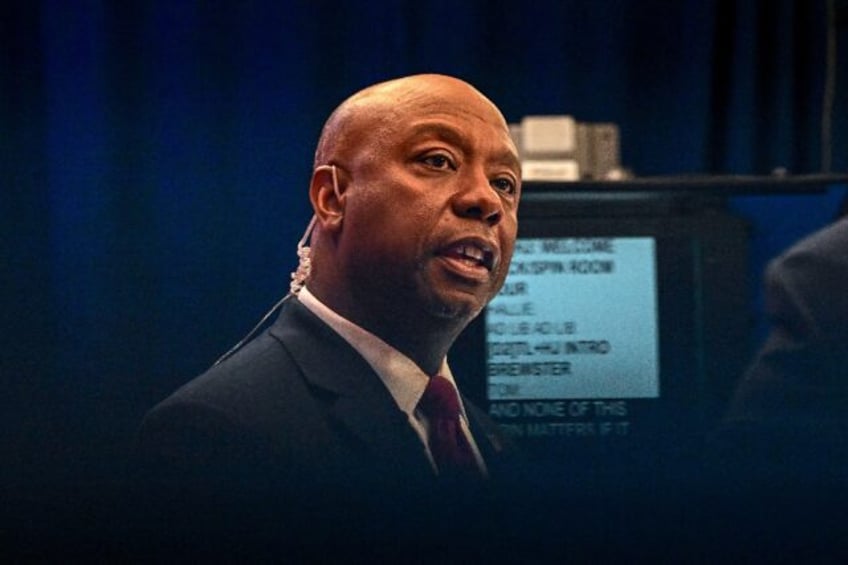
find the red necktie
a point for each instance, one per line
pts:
(448, 444)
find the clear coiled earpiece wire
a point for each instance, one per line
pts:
(298, 277)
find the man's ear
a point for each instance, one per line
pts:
(326, 194)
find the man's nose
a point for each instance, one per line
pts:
(478, 199)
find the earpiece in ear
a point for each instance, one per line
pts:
(335, 182)
(304, 261)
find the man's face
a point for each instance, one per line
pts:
(431, 206)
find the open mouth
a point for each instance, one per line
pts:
(472, 254)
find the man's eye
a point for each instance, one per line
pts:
(438, 161)
(504, 185)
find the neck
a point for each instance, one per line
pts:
(426, 349)
(422, 337)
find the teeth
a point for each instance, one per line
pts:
(471, 252)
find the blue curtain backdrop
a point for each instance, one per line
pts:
(155, 159)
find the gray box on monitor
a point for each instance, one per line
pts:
(557, 148)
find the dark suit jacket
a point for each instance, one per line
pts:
(790, 407)
(299, 419)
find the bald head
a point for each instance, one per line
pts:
(416, 220)
(373, 113)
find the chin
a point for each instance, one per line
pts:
(446, 299)
(451, 308)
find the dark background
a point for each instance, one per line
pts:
(154, 161)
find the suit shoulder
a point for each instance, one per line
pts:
(252, 390)
(825, 249)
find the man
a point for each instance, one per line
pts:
(781, 453)
(415, 191)
(788, 412)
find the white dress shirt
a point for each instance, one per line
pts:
(401, 376)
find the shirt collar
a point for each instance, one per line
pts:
(404, 379)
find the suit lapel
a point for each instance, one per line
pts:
(360, 404)
(490, 440)
(385, 431)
